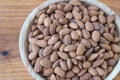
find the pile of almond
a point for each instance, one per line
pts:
(73, 41)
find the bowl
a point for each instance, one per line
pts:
(26, 28)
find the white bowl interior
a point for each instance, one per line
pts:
(26, 26)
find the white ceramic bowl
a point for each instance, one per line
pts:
(26, 27)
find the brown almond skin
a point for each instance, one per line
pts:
(54, 56)
(98, 62)
(63, 55)
(92, 8)
(52, 29)
(86, 76)
(47, 22)
(100, 71)
(59, 71)
(80, 24)
(75, 2)
(86, 64)
(57, 45)
(48, 72)
(37, 67)
(47, 50)
(63, 65)
(110, 18)
(108, 36)
(105, 46)
(52, 77)
(73, 25)
(75, 69)
(74, 35)
(32, 55)
(89, 52)
(89, 26)
(83, 71)
(96, 78)
(96, 36)
(92, 57)
(67, 39)
(70, 48)
(86, 34)
(67, 8)
(102, 19)
(70, 74)
(115, 48)
(53, 40)
(41, 18)
(41, 43)
(45, 63)
(92, 71)
(77, 15)
(69, 63)
(80, 49)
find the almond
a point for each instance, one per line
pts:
(110, 18)
(69, 15)
(41, 43)
(100, 71)
(54, 56)
(83, 71)
(74, 35)
(63, 21)
(32, 55)
(64, 31)
(59, 71)
(105, 46)
(70, 48)
(63, 65)
(89, 52)
(52, 77)
(56, 63)
(86, 34)
(108, 36)
(37, 67)
(80, 49)
(67, 8)
(93, 13)
(41, 18)
(48, 72)
(89, 26)
(69, 63)
(63, 55)
(96, 36)
(92, 71)
(57, 45)
(102, 19)
(115, 48)
(73, 25)
(45, 63)
(47, 22)
(92, 8)
(80, 24)
(97, 78)
(70, 74)
(47, 50)
(86, 43)
(72, 54)
(52, 29)
(86, 76)
(32, 40)
(75, 69)
(75, 2)
(53, 40)
(98, 62)
(67, 40)
(86, 64)
(77, 15)
(92, 57)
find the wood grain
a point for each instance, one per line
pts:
(12, 15)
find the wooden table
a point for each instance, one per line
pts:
(12, 15)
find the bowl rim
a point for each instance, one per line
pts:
(29, 19)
